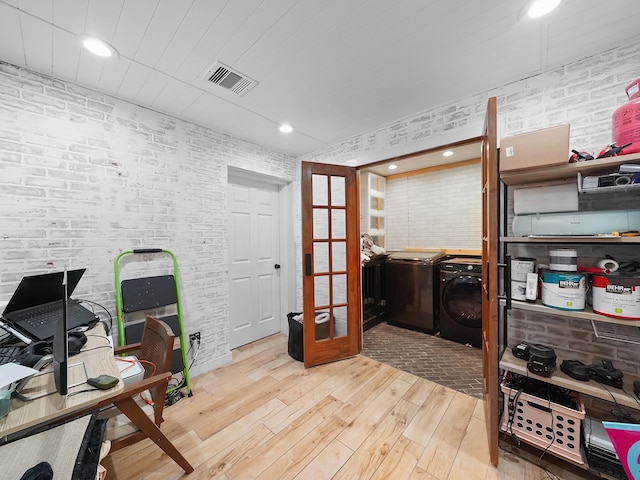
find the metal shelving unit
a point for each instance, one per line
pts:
(602, 325)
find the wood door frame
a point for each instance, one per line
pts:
(287, 240)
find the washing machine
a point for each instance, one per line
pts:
(461, 300)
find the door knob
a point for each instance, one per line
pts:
(277, 266)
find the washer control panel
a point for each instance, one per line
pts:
(463, 265)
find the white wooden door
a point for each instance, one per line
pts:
(254, 275)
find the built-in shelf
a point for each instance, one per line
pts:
(571, 239)
(566, 171)
(592, 388)
(586, 314)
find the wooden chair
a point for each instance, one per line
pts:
(154, 349)
(154, 352)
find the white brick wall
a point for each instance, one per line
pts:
(440, 209)
(86, 176)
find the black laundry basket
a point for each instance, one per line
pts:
(296, 340)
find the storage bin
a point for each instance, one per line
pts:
(296, 339)
(543, 423)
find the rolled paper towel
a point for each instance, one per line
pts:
(608, 265)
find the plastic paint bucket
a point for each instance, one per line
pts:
(617, 296)
(565, 291)
(563, 260)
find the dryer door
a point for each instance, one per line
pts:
(462, 300)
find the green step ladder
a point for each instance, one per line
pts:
(149, 293)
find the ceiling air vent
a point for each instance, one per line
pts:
(220, 74)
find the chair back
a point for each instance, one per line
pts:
(156, 347)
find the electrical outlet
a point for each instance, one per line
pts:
(194, 337)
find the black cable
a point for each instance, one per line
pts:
(95, 348)
(632, 396)
(512, 405)
(82, 300)
(553, 439)
(82, 391)
(622, 413)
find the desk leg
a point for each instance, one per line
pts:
(129, 407)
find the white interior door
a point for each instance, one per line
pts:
(254, 274)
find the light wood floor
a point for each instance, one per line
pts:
(265, 416)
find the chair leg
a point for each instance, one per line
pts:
(132, 410)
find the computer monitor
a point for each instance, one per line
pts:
(61, 344)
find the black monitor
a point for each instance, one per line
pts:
(61, 344)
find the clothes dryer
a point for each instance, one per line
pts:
(412, 290)
(461, 300)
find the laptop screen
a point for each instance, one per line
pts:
(40, 289)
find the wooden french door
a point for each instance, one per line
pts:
(331, 263)
(490, 210)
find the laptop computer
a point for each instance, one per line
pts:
(36, 305)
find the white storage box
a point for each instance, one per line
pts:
(130, 369)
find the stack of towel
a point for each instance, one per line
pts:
(368, 249)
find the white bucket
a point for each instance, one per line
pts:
(565, 291)
(520, 267)
(563, 260)
(617, 296)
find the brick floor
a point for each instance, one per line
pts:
(442, 361)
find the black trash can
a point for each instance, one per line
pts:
(296, 340)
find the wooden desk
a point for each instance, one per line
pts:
(98, 358)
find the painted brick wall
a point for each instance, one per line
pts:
(440, 209)
(86, 176)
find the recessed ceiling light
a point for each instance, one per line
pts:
(285, 128)
(448, 153)
(98, 47)
(539, 8)
(393, 166)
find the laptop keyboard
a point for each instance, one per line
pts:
(9, 354)
(46, 314)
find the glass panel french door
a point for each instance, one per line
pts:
(490, 211)
(331, 263)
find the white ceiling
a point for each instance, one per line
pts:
(423, 160)
(331, 68)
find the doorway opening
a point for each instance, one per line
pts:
(428, 202)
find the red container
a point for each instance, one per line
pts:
(626, 120)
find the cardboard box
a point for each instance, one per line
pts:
(546, 147)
